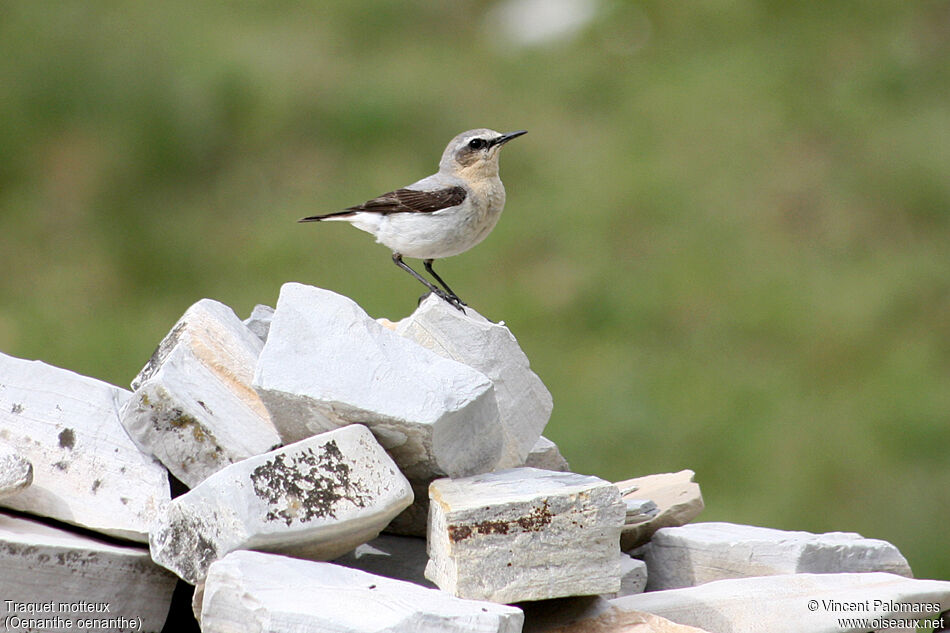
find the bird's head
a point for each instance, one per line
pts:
(474, 154)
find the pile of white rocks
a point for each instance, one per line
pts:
(347, 473)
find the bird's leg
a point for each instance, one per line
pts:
(452, 299)
(428, 264)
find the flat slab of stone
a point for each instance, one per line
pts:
(817, 603)
(317, 498)
(546, 456)
(677, 498)
(703, 552)
(524, 403)
(16, 472)
(194, 408)
(62, 581)
(398, 557)
(254, 592)
(86, 470)
(524, 534)
(327, 364)
(580, 618)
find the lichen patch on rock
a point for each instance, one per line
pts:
(306, 485)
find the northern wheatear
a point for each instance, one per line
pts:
(441, 215)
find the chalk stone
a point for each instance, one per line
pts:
(47, 565)
(86, 470)
(524, 403)
(524, 534)
(677, 498)
(633, 576)
(565, 619)
(327, 364)
(250, 592)
(704, 552)
(546, 456)
(792, 603)
(259, 321)
(16, 472)
(317, 498)
(194, 408)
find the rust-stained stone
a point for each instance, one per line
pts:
(524, 534)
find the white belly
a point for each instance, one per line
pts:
(440, 234)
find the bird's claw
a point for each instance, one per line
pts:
(452, 300)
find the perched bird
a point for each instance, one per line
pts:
(441, 215)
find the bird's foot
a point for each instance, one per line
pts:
(452, 300)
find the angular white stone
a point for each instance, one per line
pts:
(795, 603)
(524, 403)
(317, 498)
(397, 557)
(16, 473)
(546, 456)
(86, 470)
(327, 364)
(633, 578)
(263, 593)
(259, 321)
(676, 496)
(524, 534)
(68, 577)
(703, 552)
(640, 510)
(194, 408)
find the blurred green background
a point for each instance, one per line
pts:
(726, 245)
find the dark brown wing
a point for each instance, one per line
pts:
(402, 201)
(413, 201)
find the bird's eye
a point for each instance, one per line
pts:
(478, 143)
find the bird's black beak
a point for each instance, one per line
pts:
(504, 138)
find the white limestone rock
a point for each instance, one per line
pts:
(524, 403)
(64, 577)
(703, 552)
(639, 510)
(259, 321)
(194, 408)
(524, 534)
(16, 473)
(317, 498)
(86, 470)
(327, 364)
(398, 557)
(595, 616)
(633, 576)
(677, 498)
(795, 603)
(546, 456)
(263, 593)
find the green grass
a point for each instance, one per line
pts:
(726, 247)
